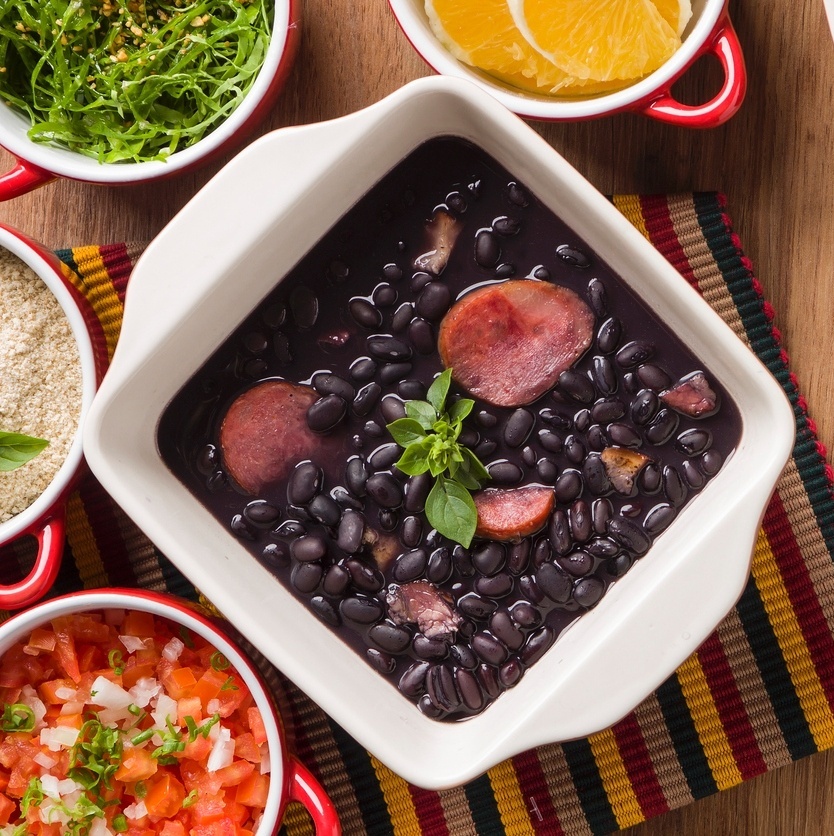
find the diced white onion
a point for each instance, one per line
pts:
(53, 812)
(67, 786)
(44, 760)
(59, 737)
(99, 828)
(145, 689)
(113, 717)
(49, 785)
(64, 693)
(72, 708)
(222, 752)
(29, 697)
(166, 708)
(136, 811)
(213, 707)
(108, 694)
(134, 643)
(173, 649)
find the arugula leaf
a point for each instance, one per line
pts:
(429, 436)
(16, 449)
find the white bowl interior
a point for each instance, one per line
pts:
(58, 160)
(22, 624)
(413, 20)
(30, 256)
(268, 207)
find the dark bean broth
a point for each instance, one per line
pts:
(513, 599)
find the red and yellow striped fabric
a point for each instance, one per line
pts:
(757, 695)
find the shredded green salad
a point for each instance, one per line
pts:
(129, 80)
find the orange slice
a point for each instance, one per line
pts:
(676, 13)
(602, 41)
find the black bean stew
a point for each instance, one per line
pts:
(282, 434)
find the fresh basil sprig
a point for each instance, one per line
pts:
(16, 449)
(429, 433)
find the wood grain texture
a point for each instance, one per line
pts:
(773, 160)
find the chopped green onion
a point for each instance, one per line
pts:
(17, 717)
(116, 661)
(190, 799)
(218, 661)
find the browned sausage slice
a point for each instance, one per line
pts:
(692, 395)
(264, 433)
(508, 343)
(512, 513)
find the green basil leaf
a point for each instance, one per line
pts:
(16, 449)
(414, 459)
(472, 465)
(406, 431)
(450, 509)
(462, 475)
(422, 412)
(439, 389)
(460, 409)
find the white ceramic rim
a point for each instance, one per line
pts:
(414, 23)
(65, 163)
(90, 600)
(24, 521)
(646, 626)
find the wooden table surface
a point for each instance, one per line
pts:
(773, 160)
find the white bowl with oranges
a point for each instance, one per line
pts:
(560, 61)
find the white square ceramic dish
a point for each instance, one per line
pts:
(216, 260)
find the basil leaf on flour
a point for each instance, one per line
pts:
(16, 449)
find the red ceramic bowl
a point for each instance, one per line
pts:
(37, 163)
(289, 779)
(709, 32)
(44, 518)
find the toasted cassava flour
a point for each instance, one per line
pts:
(40, 380)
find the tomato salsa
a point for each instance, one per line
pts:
(119, 721)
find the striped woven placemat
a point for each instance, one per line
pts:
(757, 695)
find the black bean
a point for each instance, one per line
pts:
(433, 650)
(582, 420)
(505, 271)
(510, 673)
(434, 301)
(537, 644)
(556, 419)
(598, 297)
(588, 591)
(281, 348)
(629, 535)
(504, 629)
(476, 607)
(659, 518)
(650, 478)
(419, 280)
(384, 295)
(518, 427)
(326, 413)
(653, 377)
(624, 435)
(413, 680)
(304, 483)
(240, 526)
(255, 368)
(485, 449)
(495, 586)
(619, 565)
(573, 256)
(208, 460)
(290, 528)
(440, 687)
(324, 509)
(309, 548)
(304, 307)
(604, 411)
(601, 510)
(296, 512)
(412, 390)
(421, 334)
(541, 273)
(547, 471)
(518, 556)
(427, 707)
(554, 582)
(411, 531)
(276, 555)
(576, 386)
(364, 313)
(663, 427)
(550, 441)
(581, 524)
(351, 531)
(487, 248)
(468, 437)
(326, 383)
(275, 315)
(416, 490)
(356, 474)
(489, 558)
(597, 439)
(605, 378)
(255, 342)
(337, 271)
(394, 372)
(674, 486)
(440, 565)
(383, 457)
(305, 577)
(574, 449)
(410, 566)
(505, 473)
(631, 383)
(517, 195)
(470, 691)
(390, 637)
(542, 552)
(529, 456)
(530, 589)
(525, 614)
(336, 581)
(325, 610)
(595, 475)
(644, 407)
(602, 547)
(711, 462)
(363, 369)
(559, 532)
(634, 353)
(694, 441)
(364, 577)
(381, 661)
(456, 202)
(632, 509)
(577, 564)
(261, 514)
(392, 408)
(504, 225)
(388, 519)
(402, 317)
(462, 654)
(489, 649)
(387, 348)
(608, 336)
(568, 486)
(485, 419)
(693, 477)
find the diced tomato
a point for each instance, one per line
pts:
(88, 629)
(48, 691)
(165, 796)
(173, 828)
(234, 773)
(137, 765)
(138, 623)
(224, 826)
(73, 721)
(179, 682)
(40, 640)
(246, 747)
(209, 807)
(197, 749)
(65, 648)
(90, 657)
(134, 671)
(208, 686)
(189, 707)
(7, 807)
(256, 724)
(253, 790)
(22, 771)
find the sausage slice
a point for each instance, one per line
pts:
(508, 343)
(512, 513)
(264, 433)
(692, 396)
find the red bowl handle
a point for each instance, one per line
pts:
(307, 790)
(36, 584)
(724, 44)
(22, 178)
